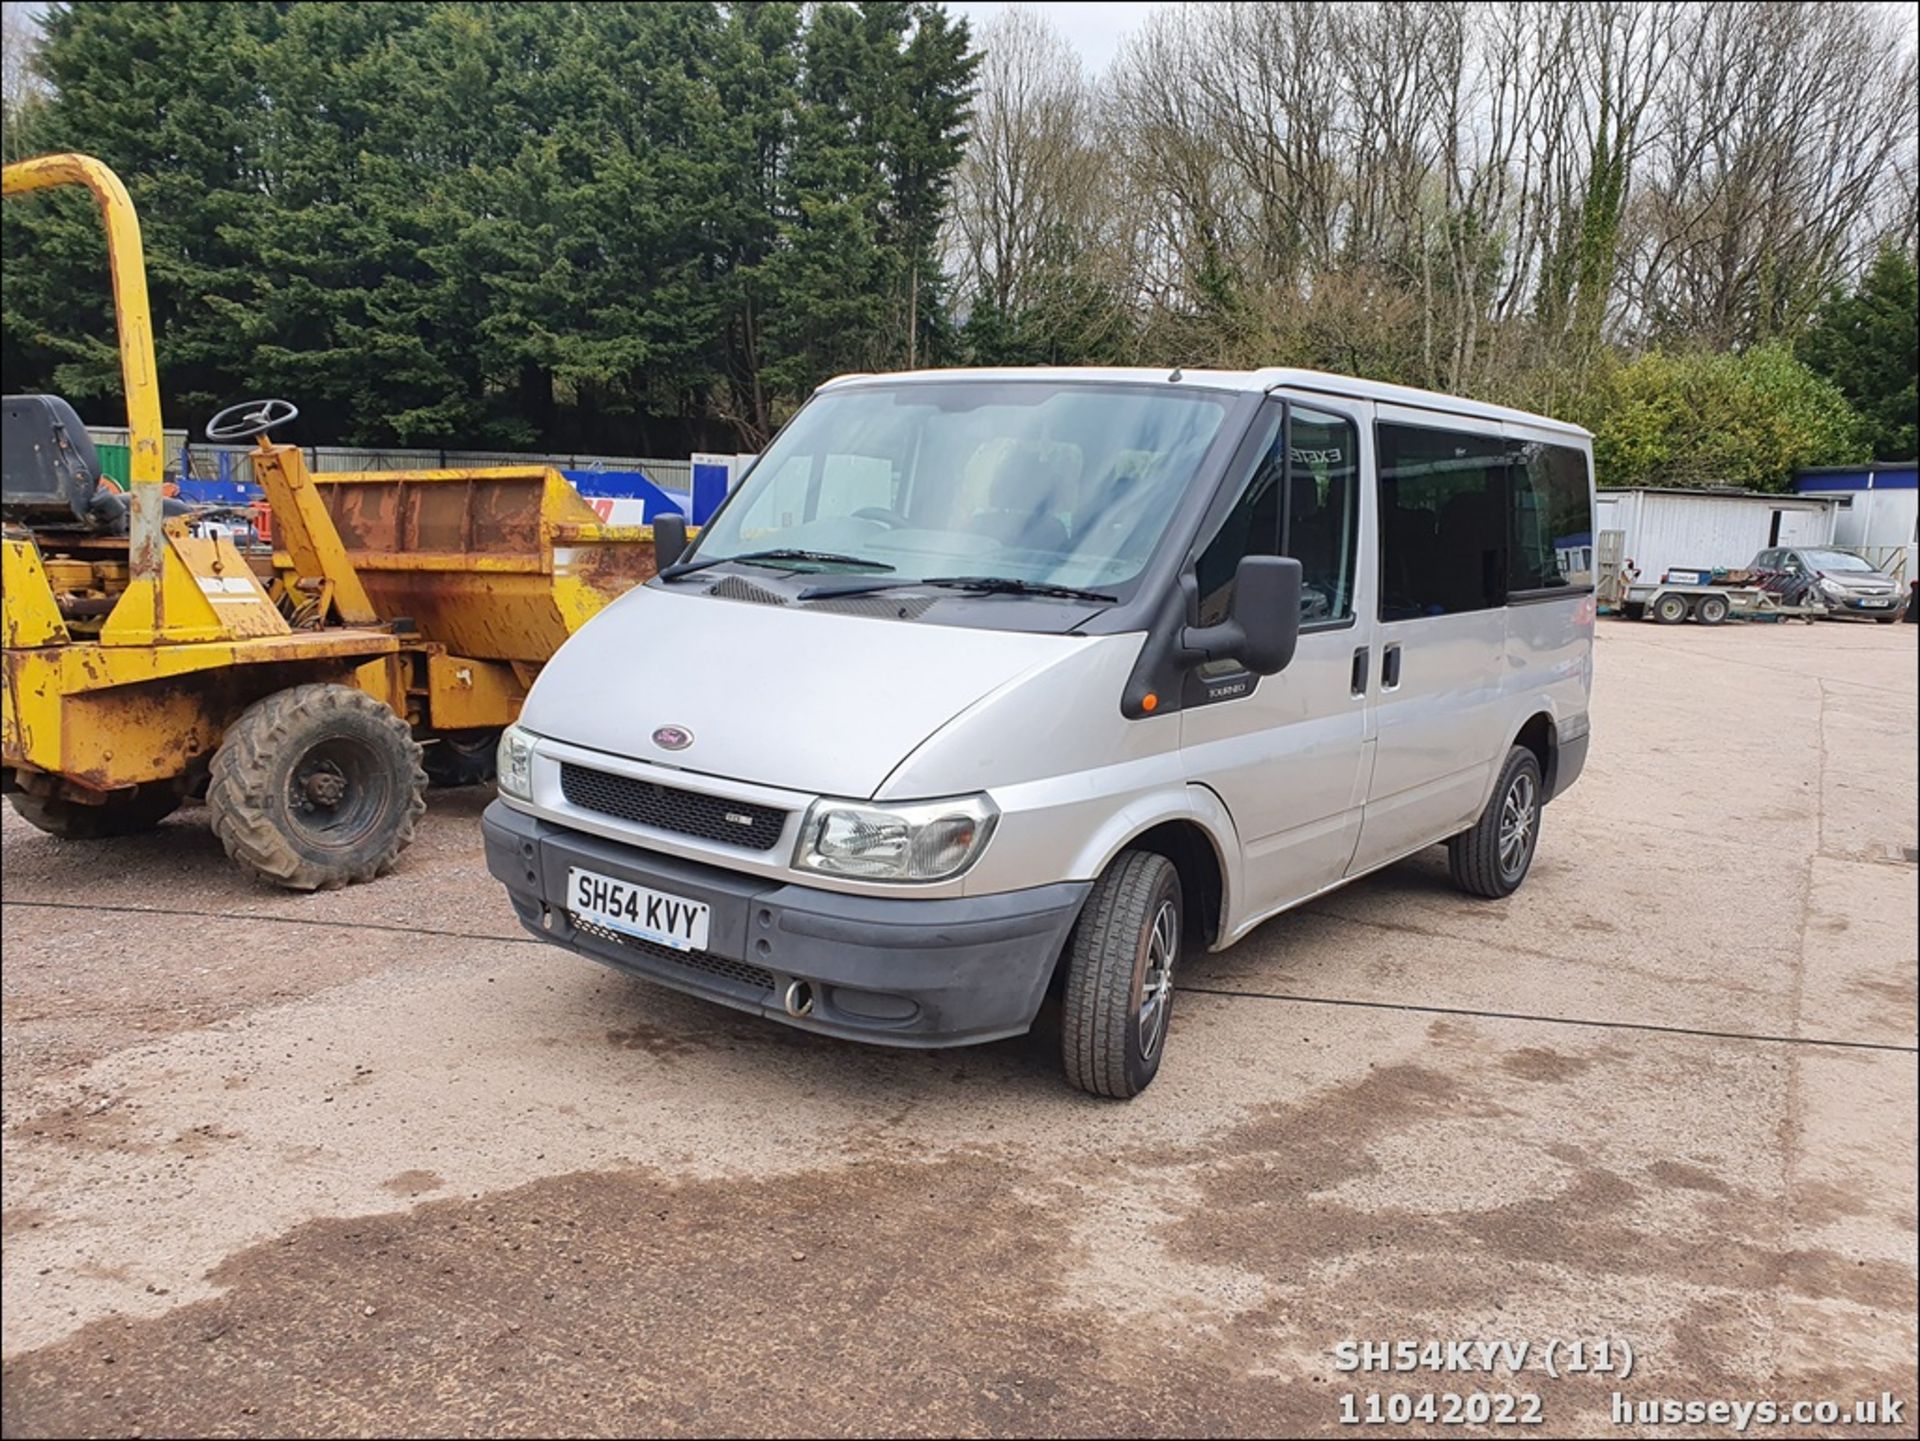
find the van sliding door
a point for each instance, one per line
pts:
(1442, 504)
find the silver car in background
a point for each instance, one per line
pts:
(986, 686)
(1845, 583)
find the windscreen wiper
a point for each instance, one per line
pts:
(986, 584)
(757, 557)
(1011, 585)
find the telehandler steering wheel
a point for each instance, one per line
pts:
(251, 418)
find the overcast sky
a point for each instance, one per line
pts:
(1094, 29)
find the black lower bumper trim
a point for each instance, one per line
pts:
(900, 972)
(745, 973)
(1569, 759)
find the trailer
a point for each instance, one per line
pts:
(1671, 602)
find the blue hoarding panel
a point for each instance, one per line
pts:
(709, 489)
(593, 484)
(218, 492)
(627, 485)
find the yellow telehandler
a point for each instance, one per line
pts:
(145, 665)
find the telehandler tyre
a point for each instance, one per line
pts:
(316, 787)
(125, 813)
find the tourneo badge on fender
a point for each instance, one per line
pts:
(673, 738)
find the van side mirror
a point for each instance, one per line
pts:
(669, 538)
(1263, 627)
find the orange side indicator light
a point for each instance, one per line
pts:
(1149, 701)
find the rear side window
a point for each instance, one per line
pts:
(1552, 520)
(1443, 521)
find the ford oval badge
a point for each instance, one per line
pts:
(673, 738)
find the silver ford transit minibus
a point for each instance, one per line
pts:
(986, 685)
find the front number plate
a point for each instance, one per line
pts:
(639, 911)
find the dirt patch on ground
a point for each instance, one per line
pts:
(1543, 1063)
(1285, 1159)
(877, 1298)
(1271, 1196)
(76, 989)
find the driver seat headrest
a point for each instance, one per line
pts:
(49, 468)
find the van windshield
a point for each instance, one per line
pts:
(1044, 481)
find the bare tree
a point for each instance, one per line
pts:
(1620, 56)
(1173, 164)
(20, 85)
(1386, 56)
(1479, 194)
(1779, 167)
(1026, 186)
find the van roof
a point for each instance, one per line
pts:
(1268, 378)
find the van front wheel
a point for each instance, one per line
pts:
(1492, 859)
(1120, 964)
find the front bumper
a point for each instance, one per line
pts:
(900, 972)
(1874, 605)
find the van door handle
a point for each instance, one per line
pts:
(1390, 668)
(1358, 686)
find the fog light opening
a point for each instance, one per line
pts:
(799, 999)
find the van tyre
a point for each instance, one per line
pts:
(124, 813)
(1120, 963)
(1493, 858)
(316, 787)
(461, 758)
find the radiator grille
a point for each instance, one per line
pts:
(743, 973)
(687, 813)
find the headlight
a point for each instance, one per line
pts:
(1832, 587)
(925, 841)
(513, 763)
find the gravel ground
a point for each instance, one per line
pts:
(373, 1163)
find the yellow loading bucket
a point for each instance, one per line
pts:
(497, 564)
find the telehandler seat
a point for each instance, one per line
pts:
(52, 475)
